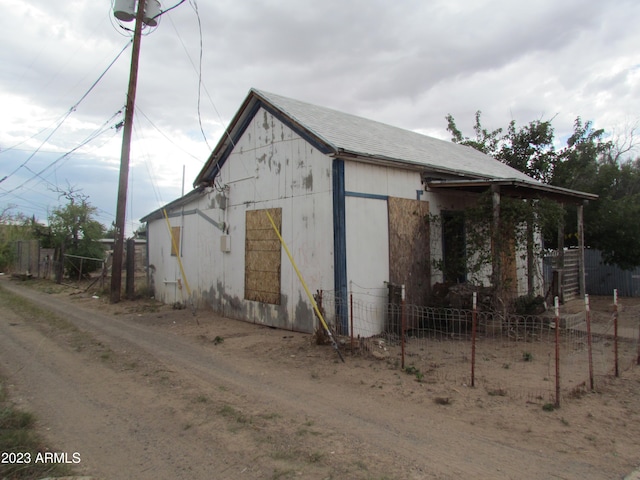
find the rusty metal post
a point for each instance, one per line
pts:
(474, 329)
(557, 323)
(638, 359)
(403, 325)
(615, 332)
(351, 318)
(589, 340)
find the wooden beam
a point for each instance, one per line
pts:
(531, 286)
(581, 272)
(560, 261)
(495, 240)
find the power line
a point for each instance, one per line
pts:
(202, 84)
(194, 5)
(165, 135)
(15, 147)
(102, 129)
(169, 9)
(67, 114)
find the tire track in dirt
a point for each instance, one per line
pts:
(120, 429)
(401, 441)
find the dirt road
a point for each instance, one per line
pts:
(146, 392)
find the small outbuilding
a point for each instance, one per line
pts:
(354, 201)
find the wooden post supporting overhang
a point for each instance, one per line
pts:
(560, 262)
(495, 238)
(581, 272)
(525, 190)
(531, 282)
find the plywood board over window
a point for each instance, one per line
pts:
(508, 267)
(262, 257)
(409, 259)
(175, 242)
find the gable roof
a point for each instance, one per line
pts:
(348, 136)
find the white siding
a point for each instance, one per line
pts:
(273, 167)
(270, 167)
(367, 229)
(367, 237)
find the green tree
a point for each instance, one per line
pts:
(587, 163)
(74, 229)
(578, 163)
(13, 227)
(486, 141)
(530, 149)
(613, 219)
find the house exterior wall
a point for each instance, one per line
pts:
(368, 188)
(273, 167)
(270, 167)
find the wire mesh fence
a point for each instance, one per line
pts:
(541, 358)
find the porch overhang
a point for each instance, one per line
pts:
(512, 187)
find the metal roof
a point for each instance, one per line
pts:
(177, 203)
(342, 134)
(444, 165)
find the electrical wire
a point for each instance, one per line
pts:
(169, 9)
(194, 5)
(15, 146)
(204, 87)
(67, 114)
(165, 135)
(98, 132)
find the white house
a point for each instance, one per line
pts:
(350, 197)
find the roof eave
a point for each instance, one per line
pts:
(517, 187)
(398, 162)
(252, 103)
(178, 202)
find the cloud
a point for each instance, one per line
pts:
(406, 63)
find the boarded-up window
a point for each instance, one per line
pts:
(409, 255)
(262, 257)
(508, 267)
(175, 242)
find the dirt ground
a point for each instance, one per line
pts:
(139, 390)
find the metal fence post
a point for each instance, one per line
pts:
(404, 324)
(589, 340)
(638, 359)
(474, 329)
(615, 332)
(351, 318)
(557, 322)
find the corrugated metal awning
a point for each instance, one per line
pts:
(513, 188)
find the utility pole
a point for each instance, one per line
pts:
(118, 249)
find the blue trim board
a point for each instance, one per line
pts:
(371, 196)
(304, 134)
(251, 114)
(340, 245)
(223, 158)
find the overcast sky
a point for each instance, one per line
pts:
(407, 63)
